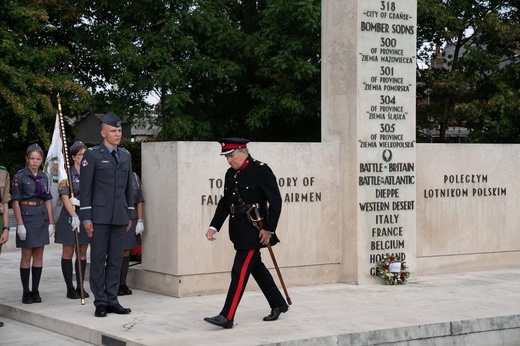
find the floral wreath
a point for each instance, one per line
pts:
(393, 278)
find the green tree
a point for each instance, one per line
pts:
(219, 67)
(33, 70)
(475, 82)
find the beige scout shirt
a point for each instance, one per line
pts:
(4, 187)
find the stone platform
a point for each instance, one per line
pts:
(477, 308)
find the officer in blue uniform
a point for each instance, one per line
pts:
(250, 189)
(106, 211)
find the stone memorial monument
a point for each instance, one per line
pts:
(368, 106)
(347, 200)
(367, 189)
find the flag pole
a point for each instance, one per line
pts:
(71, 189)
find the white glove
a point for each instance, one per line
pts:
(74, 201)
(21, 231)
(139, 228)
(51, 229)
(74, 222)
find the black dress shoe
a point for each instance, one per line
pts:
(118, 309)
(35, 295)
(124, 291)
(26, 298)
(72, 294)
(85, 293)
(220, 321)
(275, 312)
(101, 311)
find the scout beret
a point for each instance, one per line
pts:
(230, 144)
(77, 144)
(111, 119)
(32, 148)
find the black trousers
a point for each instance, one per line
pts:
(107, 246)
(250, 262)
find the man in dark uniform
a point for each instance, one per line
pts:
(107, 206)
(250, 190)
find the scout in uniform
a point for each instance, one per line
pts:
(32, 207)
(69, 222)
(250, 190)
(5, 197)
(107, 208)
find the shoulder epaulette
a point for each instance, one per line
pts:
(93, 148)
(260, 163)
(19, 171)
(124, 149)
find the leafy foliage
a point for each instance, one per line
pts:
(33, 70)
(218, 68)
(475, 83)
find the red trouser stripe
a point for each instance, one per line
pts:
(240, 286)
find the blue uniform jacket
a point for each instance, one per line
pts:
(106, 187)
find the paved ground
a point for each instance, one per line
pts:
(480, 308)
(23, 334)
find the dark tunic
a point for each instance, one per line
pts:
(35, 218)
(256, 184)
(64, 233)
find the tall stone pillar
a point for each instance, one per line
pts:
(368, 106)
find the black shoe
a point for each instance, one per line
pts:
(72, 294)
(35, 295)
(275, 312)
(220, 321)
(124, 291)
(118, 309)
(26, 298)
(1, 324)
(85, 293)
(101, 311)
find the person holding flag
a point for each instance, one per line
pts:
(68, 222)
(54, 167)
(31, 201)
